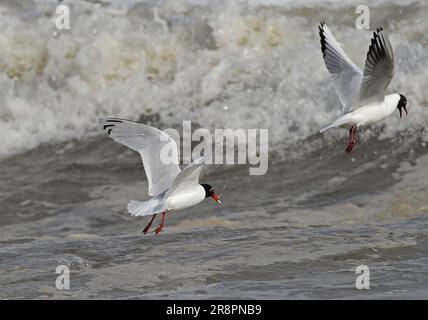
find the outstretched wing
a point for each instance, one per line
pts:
(157, 149)
(378, 70)
(345, 75)
(188, 178)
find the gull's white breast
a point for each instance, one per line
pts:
(187, 198)
(375, 112)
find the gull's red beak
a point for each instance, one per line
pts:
(215, 197)
(401, 110)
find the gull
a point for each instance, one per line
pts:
(363, 95)
(170, 187)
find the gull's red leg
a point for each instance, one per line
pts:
(351, 134)
(352, 141)
(146, 229)
(160, 227)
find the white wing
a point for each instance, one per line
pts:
(378, 70)
(345, 75)
(157, 149)
(188, 178)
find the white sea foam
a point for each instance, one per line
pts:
(188, 63)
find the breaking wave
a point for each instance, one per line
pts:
(221, 65)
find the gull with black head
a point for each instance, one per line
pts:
(363, 95)
(170, 187)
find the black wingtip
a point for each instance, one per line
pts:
(109, 124)
(108, 128)
(377, 49)
(322, 36)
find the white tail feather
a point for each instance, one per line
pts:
(345, 119)
(145, 208)
(326, 128)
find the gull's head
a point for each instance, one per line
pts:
(402, 105)
(209, 192)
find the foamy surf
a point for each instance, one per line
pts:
(153, 60)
